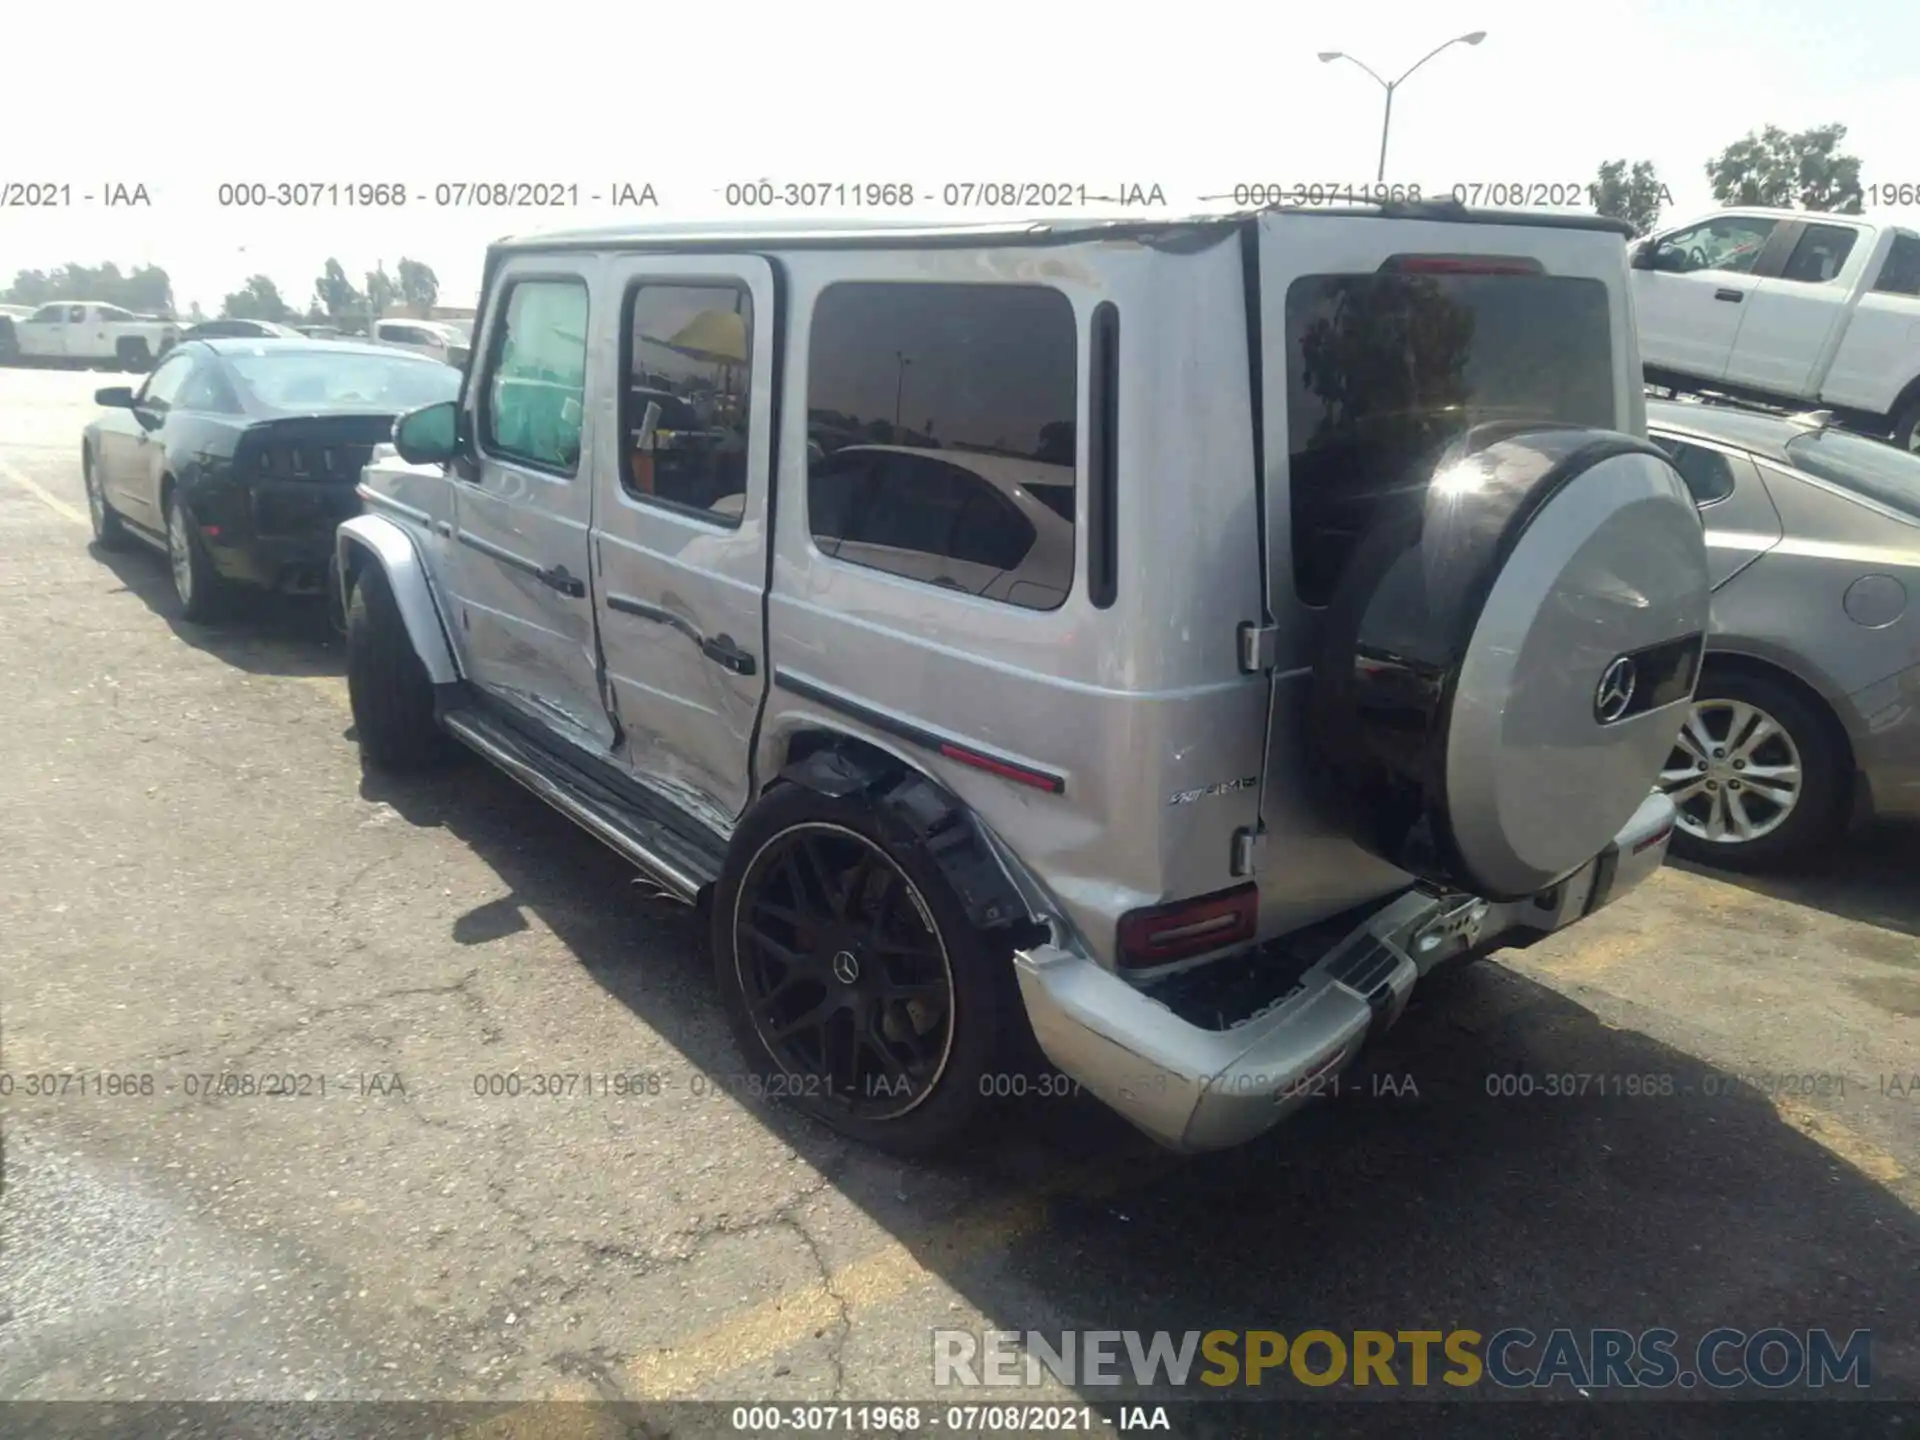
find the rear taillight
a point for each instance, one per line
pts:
(1463, 265)
(1162, 934)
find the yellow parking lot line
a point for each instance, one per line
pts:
(892, 1272)
(1840, 1140)
(44, 496)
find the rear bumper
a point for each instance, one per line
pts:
(1886, 744)
(279, 536)
(1195, 1089)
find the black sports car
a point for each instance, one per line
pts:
(238, 458)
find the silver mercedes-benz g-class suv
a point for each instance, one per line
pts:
(1167, 642)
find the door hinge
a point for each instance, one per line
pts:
(1248, 842)
(1258, 647)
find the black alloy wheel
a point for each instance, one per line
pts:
(845, 977)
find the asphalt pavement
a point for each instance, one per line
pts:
(207, 900)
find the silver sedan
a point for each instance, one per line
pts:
(1807, 716)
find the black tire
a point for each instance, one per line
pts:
(199, 590)
(1808, 741)
(134, 353)
(976, 1030)
(108, 531)
(387, 685)
(1905, 431)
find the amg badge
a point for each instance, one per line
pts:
(1225, 787)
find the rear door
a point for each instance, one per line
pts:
(1792, 315)
(1691, 304)
(1740, 519)
(1382, 341)
(523, 500)
(680, 533)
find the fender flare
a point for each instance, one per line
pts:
(930, 815)
(376, 540)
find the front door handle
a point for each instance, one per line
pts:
(566, 584)
(722, 650)
(1735, 296)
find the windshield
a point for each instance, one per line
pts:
(1386, 370)
(1871, 468)
(312, 380)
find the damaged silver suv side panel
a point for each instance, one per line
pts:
(1163, 643)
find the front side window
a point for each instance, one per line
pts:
(1386, 370)
(941, 422)
(533, 402)
(1707, 473)
(690, 356)
(76, 314)
(48, 315)
(1731, 243)
(165, 383)
(1900, 271)
(1819, 253)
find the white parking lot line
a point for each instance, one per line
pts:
(44, 496)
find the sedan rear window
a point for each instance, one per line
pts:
(1872, 468)
(305, 381)
(1385, 370)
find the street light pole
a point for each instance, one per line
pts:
(1472, 37)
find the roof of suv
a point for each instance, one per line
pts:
(1762, 434)
(813, 233)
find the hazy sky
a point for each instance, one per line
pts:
(1194, 98)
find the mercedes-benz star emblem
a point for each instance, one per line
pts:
(846, 969)
(1615, 691)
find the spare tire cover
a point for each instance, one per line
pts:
(1508, 656)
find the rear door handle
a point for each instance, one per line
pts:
(1735, 296)
(566, 584)
(723, 652)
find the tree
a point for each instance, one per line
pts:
(419, 286)
(258, 299)
(1786, 171)
(334, 293)
(147, 290)
(381, 291)
(1632, 195)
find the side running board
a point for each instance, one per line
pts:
(681, 868)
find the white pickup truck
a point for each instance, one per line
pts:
(1789, 306)
(88, 334)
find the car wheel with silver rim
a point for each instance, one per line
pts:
(108, 532)
(195, 585)
(858, 991)
(1756, 774)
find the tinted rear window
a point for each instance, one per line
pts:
(1871, 468)
(305, 381)
(1384, 371)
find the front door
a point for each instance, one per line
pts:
(680, 562)
(523, 500)
(1689, 306)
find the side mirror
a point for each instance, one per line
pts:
(1643, 254)
(114, 397)
(429, 435)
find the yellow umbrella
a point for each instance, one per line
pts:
(716, 336)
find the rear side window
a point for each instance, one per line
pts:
(690, 353)
(942, 429)
(1384, 371)
(1872, 468)
(1900, 271)
(532, 404)
(1819, 253)
(1707, 472)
